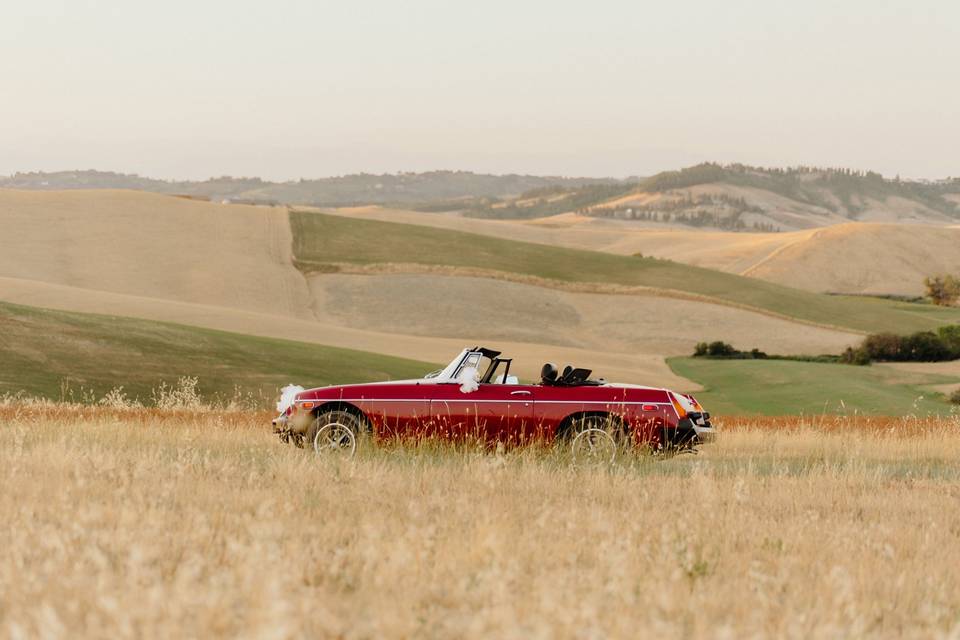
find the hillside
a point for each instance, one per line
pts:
(229, 268)
(445, 189)
(779, 387)
(323, 243)
(863, 258)
(447, 305)
(743, 198)
(94, 353)
(155, 246)
(728, 197)
(50, 354)
(851, 257)
(402, 290)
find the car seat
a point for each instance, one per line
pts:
(548, 374)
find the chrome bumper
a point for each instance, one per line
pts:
(297, 422)
(705, 433)
(694, 428)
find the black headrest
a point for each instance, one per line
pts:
(567, 370)
(548, 374)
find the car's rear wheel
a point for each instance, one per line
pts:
(335, 433)
(595, 439)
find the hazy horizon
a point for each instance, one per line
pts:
(313, 89)
(280, 180)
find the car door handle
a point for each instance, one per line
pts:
(520, 393)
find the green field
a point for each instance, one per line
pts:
(782, 387)
(321, 239)
(44, 351)
(79, 356)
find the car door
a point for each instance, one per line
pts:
(394, 410)
(491, 413)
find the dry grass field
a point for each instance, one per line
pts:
(122, 522)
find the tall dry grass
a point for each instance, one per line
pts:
(133, 522)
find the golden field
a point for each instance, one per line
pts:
(195, 523)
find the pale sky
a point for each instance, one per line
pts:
(290, 89)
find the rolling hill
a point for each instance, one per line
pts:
(153, 246)
(47, 353)
(229, 268)
(433, 188)
(732, 197)
(851, 257)
(94, 353)
(394, 290)
(331, 243)
(744, 198)
(863, 258)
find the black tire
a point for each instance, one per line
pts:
(341, 430)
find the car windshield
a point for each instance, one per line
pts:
(448, 372)
(466, 359)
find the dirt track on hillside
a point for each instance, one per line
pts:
(864, 258)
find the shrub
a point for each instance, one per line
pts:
(955, 397)
(858, 356)
(924, 346)
(950, 337)
(943, 290)
(720, 349)
(883, 346)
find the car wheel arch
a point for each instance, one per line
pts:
(566, 425)
(339, 405)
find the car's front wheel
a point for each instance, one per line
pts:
(335, 433)
(595, 439)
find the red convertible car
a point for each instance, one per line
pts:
(475, 397)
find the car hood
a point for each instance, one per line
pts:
(622, 385)
(362, 385)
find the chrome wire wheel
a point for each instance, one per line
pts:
(594, 444)
(334, 438)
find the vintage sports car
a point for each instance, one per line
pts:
(475, 397)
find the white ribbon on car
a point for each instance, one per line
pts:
(287, 394)
(468, 380)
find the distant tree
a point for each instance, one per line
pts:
(955, 397)
(943, 290)
(858, 356)
(950, 337)
(924, 346)
(720, 349)
(883, 346)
